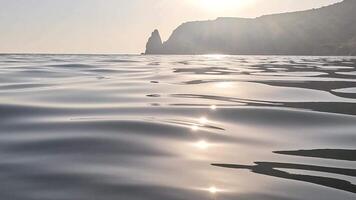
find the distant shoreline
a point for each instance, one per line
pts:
(326, 31)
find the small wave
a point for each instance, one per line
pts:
(149, 127)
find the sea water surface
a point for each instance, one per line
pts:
(112, 127)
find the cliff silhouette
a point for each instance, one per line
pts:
(329, 30)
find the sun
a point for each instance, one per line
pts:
(220, 5)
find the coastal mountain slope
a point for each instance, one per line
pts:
(329, 30)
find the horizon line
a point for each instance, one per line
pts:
(142, 54)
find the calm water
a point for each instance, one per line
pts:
(177, 127)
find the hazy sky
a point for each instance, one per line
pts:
(115, 26)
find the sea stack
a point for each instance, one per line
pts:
(325, 31)
(154, 44)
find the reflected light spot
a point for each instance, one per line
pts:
(213, 190)
(224, 85)
(195, 128)
(202, 144)
(213, 107)
(203, 120)
(215, 56)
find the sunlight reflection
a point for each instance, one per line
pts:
(213, 190)
(215, 56)
(203, 120)
(213, 107)
(224, 85)
(194, 128)
(202, 145)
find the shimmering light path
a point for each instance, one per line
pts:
(177, 127)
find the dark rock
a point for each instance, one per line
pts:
(154, 44)
(329, 30)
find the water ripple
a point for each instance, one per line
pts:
(177, 127)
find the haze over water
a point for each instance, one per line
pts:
(107, 127)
